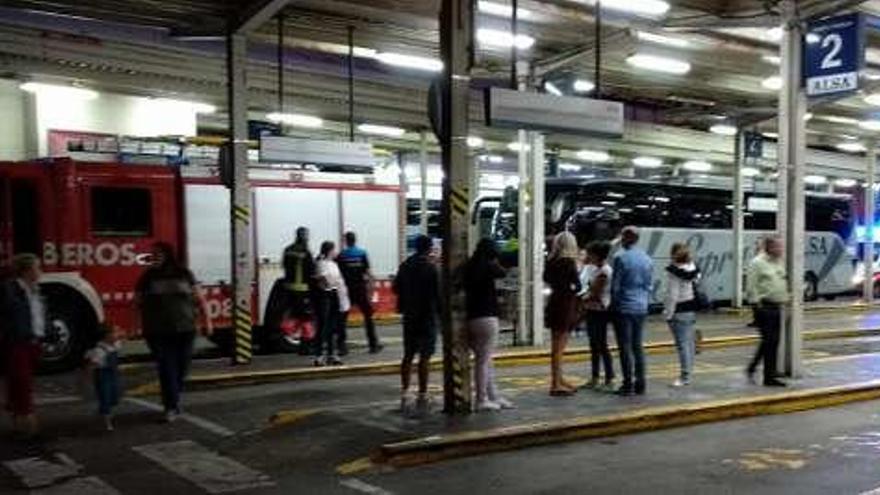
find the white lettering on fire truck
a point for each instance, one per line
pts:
(219, 309)
(70, 254)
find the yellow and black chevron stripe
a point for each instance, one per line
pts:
(458, 199)
(242, 214)
(243, 344)
(460, 394)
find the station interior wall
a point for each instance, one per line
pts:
(28, 118)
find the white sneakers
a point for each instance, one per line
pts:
(496, 405)
(680, 383)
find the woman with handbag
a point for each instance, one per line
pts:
(596, 279)
(680, 307)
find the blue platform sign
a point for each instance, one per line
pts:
(834, 53)
(754, 144)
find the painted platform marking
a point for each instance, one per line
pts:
(90, 485)
(209, 470)
(189, 418)
(363, 487)
(34, 472)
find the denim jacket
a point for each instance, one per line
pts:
(631, 281)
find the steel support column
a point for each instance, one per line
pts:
(738, 221)
(792, 151)
(456, 47)
(423, 174)
(536, 237)
(524, 330)
(242, 254)
(870, 195)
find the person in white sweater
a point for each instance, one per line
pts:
(332, 303)
(680, 306)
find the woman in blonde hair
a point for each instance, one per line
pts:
(561, 314)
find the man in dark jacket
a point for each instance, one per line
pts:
(417, 286)
(24, 321)
(355, 266)
(292, 295)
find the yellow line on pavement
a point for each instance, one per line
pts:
(509, 359)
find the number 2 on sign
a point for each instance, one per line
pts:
(832, 59)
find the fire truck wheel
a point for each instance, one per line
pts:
(68, 331)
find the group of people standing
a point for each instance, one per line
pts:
(324, 289)
(588, 287)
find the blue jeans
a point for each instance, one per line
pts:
(682, 326)
(173, 353)
(629, 330)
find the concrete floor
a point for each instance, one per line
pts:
(226, 444)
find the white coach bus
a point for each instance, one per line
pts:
(701, 217)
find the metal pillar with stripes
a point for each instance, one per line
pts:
(456, 46)
(242, 255)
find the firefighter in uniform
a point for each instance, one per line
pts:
(291, 296)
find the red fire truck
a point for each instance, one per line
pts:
(93, 224)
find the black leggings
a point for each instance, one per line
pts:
(597, 329)
(328, 322)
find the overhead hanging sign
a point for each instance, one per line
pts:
(834, 53)
(283, 149)
(569, 114)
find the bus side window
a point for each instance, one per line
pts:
(25, 212)
(121, 212)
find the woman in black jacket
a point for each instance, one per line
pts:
(480, 274)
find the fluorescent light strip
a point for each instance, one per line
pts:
(552, 89)
(772, 59)
(846, 182)
(296, 119)
(410, 61)
(773, 83)
(59, 91)
(815, 180)
(593, 156)
(583, 86)
(659, 64)
(501, 10)
(870, 125)
(193, 105)
(504, 39)
(475, 141)
(662, 40)
(852, 147)
(723, 129)
(697, 166)
(654, 8)
(750, 172)
(647, 162)
(381, 130)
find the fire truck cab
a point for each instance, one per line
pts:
(93, 224)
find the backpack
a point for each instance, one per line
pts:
(701, 299)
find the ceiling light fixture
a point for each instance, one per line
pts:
(750, 172)
(475, 141)
(570, 167)
(296, 119)
(870, 125)
(697, 166)
(514, 146)
(723, 130)
(873, 99)
(552, 89)
(647, 162)
(836, 119)
(652, 8)
(772, 59)
(583, 86)
(593, 156)
(774, 33)
(504, 39)
(659, 64)
(852, 147)
(59, 91)
(501, 10)
(773, 83)
(382, 130)
(846, 182)
(662, 40)
(410, 61)
(815, 180)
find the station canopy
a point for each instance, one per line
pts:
(683, 67)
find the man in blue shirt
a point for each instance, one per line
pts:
(355, 267)
(630, 292)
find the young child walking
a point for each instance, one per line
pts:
(102, 363)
